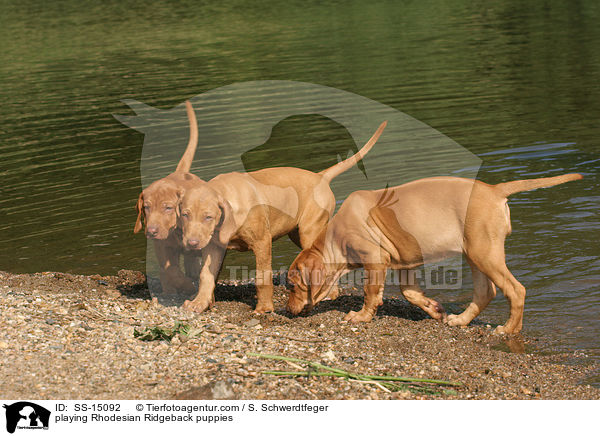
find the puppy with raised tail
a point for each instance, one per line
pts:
(248, 211)
(157, 207)
(403, 227)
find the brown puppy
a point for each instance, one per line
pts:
(158, 205)
(419, 222)
(247, 211)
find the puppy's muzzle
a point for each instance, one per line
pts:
(193, 243)
(296, 305)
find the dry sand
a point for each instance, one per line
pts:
(71, 337)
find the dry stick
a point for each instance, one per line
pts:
(268, 334)
(293, 365)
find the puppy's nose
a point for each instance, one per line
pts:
(193, 243)
(152, 230)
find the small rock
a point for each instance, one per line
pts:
(222, 391)
(3, 345)
(252, 322)
(329, 355)
(112, 292)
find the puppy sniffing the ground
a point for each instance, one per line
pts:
(158, 205)
(247, 211)
(401, 228)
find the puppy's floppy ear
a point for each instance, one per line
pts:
(140, 210)
(293, 274)
(317, 274)
(180, 194)
(304, 275)
(226, 226)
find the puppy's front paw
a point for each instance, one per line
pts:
(197, 306)
(455, 320)
(360, 316)
(500, 330)
(262, 307)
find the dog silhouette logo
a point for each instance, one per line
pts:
(26, 415)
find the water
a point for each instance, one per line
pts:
(516, 84)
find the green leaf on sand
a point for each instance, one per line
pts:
(161, 333)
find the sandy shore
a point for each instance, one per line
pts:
(72, 337)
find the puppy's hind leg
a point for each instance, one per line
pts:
(310, 227)
(494, 267)
(484, 291)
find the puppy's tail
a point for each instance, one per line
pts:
(344, 165)
(509, 188)
(185, 163)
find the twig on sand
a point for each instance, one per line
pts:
(254, 333)
(379, 385)
(385, 382)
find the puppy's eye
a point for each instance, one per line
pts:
(208, 218)
(185, 215)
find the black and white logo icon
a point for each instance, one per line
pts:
(26, 415)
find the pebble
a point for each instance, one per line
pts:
(222, 391)
(526, 391)
(329, 355)
(252, 322)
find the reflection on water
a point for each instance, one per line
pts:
(516, 84)
(512, 344)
